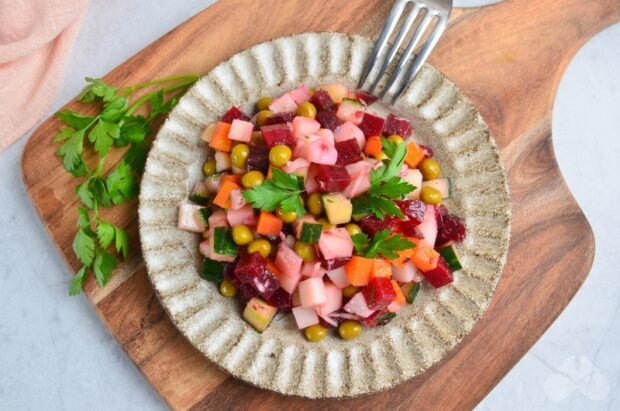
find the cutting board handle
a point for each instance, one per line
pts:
(519, 50)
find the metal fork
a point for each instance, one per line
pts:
(438, 10)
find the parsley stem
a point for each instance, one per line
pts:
(100, 166)
(189, 81)
(140, 86)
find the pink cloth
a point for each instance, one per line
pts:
(35, 39)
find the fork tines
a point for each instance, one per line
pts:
(406, 68)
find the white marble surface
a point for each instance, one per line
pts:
(55, 353)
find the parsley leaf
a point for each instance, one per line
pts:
(293, 203)
(85, 194)
(135, 156)
(103, 135)
(383, 243)
(360, 242)
(71, 151)
(100, 191)
(75, 120)
(63, 134)
(122, 184)
(282, 190)
(102, 266)
(115, 109)
(393, 168)
(83, 219)
(386, 184)
(96, 88)
(122, 242)
(395, 187)
(389, 147)
(84, 247)
(135, 129)
(77, 282)
(383, 206)
(105, 233)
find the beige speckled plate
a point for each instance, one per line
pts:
(280, 359)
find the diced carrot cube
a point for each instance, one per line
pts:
(222, 198)
(269, 224)
(415, 155)
(405, 255)
(373, 146)
(272, 267)
(233, 178)
(425, 258)
(400, 297)
(219, 139)
(358, 270)
(381, 268)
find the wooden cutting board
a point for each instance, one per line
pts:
(508, 58)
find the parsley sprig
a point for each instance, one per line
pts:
(386, 185)
(282, 190)
(98, 243)
(383, 243)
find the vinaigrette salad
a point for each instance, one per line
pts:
(317, 207)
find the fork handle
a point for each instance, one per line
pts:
(517, 52)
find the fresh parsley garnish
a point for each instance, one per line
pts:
(386, 184)
(383, 243)
(116, 125)
(283, 190)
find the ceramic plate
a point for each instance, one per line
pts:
(280, 359)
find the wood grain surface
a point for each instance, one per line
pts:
(508, 58)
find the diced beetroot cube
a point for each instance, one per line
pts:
(250, 266)
(234, 114)
(414, 210)
(247, 291)
(439, 276)
(266, 284)
(409, 229)
(440, 212)
(277, 134)
(371, 125)
(397, 125)
(229, 270)
(366, 97)
(328, 119)
(332, 178)
(280, 118)
(322, 101)
(379, 293)
(371, 225)
(452, 229)
(259, 158)
(379, 318)
(428, 151)
(348, 152)
(281, 299)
